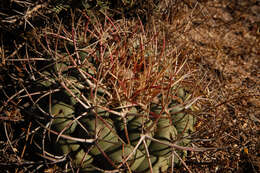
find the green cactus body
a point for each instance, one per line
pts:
(175, 108)
(65, 146)
(181, 153)
(76, 93)
(155, 108)
(82, 159)
(47, 82)
(60, 67)
(159, 164)
(119, 121)
(183, 122)
(120, 152)
(101, 112)
(103, 127)
(144, 166)
(165, 132)
(132, 110)
(63, 118)
(136, 127)
(106, 138)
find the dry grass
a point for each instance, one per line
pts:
(215, 46)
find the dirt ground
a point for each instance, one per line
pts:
(224, 39)
(221, 39)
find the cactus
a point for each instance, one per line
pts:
(101, 124)
(117, 103)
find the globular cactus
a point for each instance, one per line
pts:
(130, 110)
(100, 124)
